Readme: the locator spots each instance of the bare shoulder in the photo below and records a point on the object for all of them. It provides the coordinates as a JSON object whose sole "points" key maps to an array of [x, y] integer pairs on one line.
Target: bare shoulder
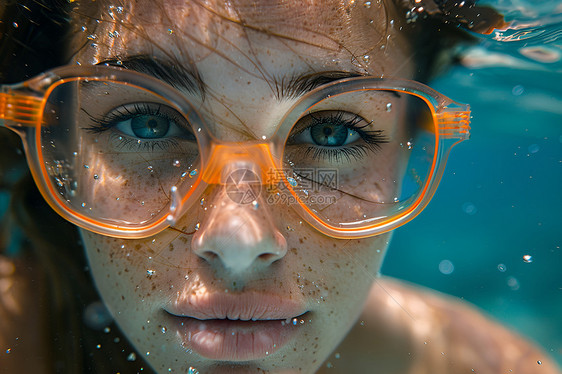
{"points": [[407, 329]]}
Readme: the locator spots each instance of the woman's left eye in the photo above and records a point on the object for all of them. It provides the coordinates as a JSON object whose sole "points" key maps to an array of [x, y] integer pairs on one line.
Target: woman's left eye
{"points": [[328, 132]]}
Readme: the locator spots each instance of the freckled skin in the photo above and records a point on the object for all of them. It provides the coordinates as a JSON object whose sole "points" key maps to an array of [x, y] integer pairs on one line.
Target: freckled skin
{"points": [[137, 278]]}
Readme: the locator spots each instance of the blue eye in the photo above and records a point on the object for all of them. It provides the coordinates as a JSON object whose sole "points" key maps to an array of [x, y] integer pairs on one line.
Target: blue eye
{"points": [[331, 134], [145, 121], [335, 136], [150, 126]]}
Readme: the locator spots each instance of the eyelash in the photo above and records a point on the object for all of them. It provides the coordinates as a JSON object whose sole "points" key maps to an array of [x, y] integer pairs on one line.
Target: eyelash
{"points": [[372, 138], [123, 113]]}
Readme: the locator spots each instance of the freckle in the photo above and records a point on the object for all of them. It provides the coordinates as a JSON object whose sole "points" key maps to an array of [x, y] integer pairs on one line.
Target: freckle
{"points": [[126, 270], [119, 273], [171, 247], [98, 250], [143, 328], [321, 261], [334, 245], [300, 240], [153, 287], [122, 297], [138, 247], [309, 268], [294, 250]]}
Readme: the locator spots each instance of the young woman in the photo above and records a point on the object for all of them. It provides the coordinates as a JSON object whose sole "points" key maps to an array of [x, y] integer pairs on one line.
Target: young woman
{"points": [[235, 170]]}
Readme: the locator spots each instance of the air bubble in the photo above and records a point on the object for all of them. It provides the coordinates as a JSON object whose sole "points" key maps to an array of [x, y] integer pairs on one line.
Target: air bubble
{"points": [[469, 208], [518, 90], [132, 357], [534, 148], [513, 283], [446, 267], [502, 268], [528, 259]]}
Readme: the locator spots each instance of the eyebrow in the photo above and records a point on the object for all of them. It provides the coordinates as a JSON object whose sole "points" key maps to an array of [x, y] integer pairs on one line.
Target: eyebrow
{"points": [[189, 79], [175, 74], [295, 86]]}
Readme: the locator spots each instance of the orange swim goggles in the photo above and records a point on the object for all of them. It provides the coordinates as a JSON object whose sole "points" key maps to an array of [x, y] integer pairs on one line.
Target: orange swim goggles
{"points": [[124, 154]]}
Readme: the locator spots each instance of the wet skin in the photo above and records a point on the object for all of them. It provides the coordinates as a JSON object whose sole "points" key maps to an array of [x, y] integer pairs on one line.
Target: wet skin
{"points": [[324, 280]]}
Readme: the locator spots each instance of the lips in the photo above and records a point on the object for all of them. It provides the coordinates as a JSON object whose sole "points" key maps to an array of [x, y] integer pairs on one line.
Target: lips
{"points": [[235, 327]]}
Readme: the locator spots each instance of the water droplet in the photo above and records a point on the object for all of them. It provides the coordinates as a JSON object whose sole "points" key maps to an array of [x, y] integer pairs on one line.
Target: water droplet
{"points": [[150, 272], [176, 163], [202, 201], [337, 355], [149, 167], [289, 228], [539, 362], [83, 205], [9, 350], [446, 267], [107, 330], [132, 357], [388, 107], [15, 24], [502, 268], [367, 4], [292, 181], [96, 176], [98, 346], [410, 145], [170, 31], [528, 259], [91, 37], [197, 225], [366, 58], [255, 204], [192, 370], [164, 329], [86, 167]]}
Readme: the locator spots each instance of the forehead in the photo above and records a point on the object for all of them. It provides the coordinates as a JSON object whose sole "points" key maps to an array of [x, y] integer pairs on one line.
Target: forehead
{"points": [[240, 48]]}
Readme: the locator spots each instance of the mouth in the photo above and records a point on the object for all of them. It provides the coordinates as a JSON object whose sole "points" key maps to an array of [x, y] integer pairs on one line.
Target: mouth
{"points": [[233, 327]]}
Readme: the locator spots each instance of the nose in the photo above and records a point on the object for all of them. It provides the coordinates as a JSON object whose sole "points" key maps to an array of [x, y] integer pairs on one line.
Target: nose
{"points": [[238, 234]]}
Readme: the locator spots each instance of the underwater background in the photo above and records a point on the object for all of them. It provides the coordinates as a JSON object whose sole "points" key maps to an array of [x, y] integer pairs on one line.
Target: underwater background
{"points": [[492, 234]]}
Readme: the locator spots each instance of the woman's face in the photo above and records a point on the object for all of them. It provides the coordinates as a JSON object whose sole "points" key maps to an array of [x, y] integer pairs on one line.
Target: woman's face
{"points": [[251, 290]]}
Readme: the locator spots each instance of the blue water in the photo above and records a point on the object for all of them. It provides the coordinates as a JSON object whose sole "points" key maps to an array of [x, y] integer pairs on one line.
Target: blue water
{"points": [[501, 196]]}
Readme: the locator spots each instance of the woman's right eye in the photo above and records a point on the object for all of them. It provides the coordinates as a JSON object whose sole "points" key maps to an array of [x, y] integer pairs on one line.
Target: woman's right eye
{"points": [[145, 122]]}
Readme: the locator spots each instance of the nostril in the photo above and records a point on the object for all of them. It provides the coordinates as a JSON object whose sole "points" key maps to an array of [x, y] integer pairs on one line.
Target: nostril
{"points": [[210, 256], [268, 257]]}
